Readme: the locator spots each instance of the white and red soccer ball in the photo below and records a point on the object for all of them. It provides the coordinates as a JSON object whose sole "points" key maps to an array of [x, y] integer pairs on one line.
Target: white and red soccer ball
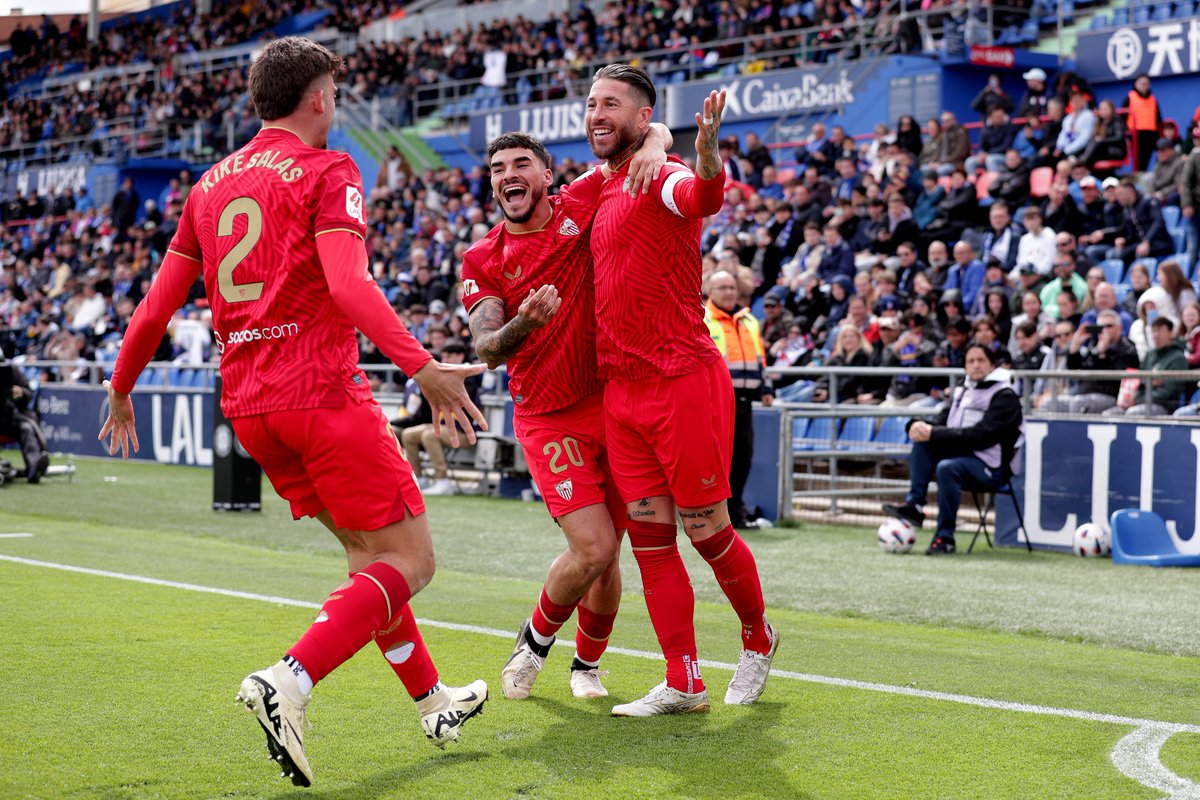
{"points": [[896, 536], [1090, 540]]}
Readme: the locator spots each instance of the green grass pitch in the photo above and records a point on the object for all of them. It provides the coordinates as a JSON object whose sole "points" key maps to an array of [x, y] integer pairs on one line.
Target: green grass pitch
{"points": [[123, 689]]}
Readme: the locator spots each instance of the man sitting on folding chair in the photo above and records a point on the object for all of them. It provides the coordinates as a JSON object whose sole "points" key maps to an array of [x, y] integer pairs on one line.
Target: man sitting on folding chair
{"points": [[971, 444], [19, 420]]}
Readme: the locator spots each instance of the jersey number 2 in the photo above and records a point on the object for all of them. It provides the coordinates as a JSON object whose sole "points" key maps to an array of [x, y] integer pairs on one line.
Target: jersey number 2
{"points": [[249, 208]]}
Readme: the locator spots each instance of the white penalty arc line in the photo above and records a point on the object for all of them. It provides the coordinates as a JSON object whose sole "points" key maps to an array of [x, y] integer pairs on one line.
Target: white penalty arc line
{"points": [[16, 535], [1137, 755]]}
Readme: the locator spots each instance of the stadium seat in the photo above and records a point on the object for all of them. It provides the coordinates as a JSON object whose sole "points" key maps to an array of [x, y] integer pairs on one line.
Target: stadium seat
{"points": [[1141, 15], [1171, 215], [1141, 537], [1039, 181], [799, 431], [1161, 12], [982, 184], [1122, 290], [1120, 17], [1098, 21], [1179, 237], [1114, 270], [1185, 9], [857, 433], [1151, 265], [892, 432], [819, 435]]}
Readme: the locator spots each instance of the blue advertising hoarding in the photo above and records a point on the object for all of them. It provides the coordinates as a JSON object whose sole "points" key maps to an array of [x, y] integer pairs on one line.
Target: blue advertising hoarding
{"points": [[1077, 472], [549, 123], [174, 426]]}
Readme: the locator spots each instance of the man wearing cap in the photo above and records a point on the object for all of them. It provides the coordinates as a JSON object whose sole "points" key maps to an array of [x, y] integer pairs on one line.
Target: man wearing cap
{"points": [[1037, 96], [1164, 184], [1189, 199], [776, 318]]}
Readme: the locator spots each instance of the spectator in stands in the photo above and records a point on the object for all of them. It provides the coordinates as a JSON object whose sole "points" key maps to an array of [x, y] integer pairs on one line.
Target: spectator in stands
{"points": [[1037, 246], [994, 280], [794, 350], [900, 226], [1077, 128], [992, 96], [125, 205], [956, 211], [1037, 95], [1060, 212], [838, 258], [1145, 119], [841, 289], [1150, 306], [985, 332], [909, 266], [817, 149], [850, 350], [972, 443], [1028, 352], [1069, 306], [1029, 140], [1108, 137], [1164, 183], [1046, 391], [1179, 290], [776, 318], [1189, 199], [811, 306], [908, 349], [1145, 233], [864, 287], [1048, 153], [1106, 224], [757, 153], [1065, 278], [930, 155], [954, 145], [995, 139], [1104, 298], [807, 258], [966, 274], [939, 267], [908, 135], [1111, 352], [1001, 239], [1166, 354], [1031, 311], [787, 229], [952, 351], [1011, 183], [1139, 281]]}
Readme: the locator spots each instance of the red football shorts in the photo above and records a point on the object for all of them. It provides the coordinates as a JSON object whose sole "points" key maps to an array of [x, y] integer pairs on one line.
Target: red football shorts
{"points": [[672, 436], [567, 458], [346, 460]]}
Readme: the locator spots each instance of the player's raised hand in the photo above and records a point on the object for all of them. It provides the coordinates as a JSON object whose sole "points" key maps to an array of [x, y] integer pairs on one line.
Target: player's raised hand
{"points": [[539, 306], [120, 423], [708, 125], [442, 385]]}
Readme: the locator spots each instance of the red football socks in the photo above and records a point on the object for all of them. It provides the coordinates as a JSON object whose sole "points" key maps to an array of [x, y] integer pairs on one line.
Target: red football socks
{"points": [[591, 635], [549, 616], [669, 600], [404, 649], [350, 617], [733, 564]]}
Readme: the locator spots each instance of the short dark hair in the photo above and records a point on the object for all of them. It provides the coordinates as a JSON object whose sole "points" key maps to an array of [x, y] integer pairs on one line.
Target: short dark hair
{"points": [[1162, 322], [519, 140], [635, 77], [454, 346], [1070, 293], [959, 324], [1027, 329], [284, 71], [992, 355]]}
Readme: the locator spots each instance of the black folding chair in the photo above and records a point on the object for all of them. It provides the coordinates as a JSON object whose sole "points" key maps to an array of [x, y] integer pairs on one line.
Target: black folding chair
{"points": [[978, 492]]}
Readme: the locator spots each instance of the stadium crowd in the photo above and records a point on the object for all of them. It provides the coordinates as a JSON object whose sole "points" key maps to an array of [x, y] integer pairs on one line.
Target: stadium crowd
{"points": [[891, 251]]}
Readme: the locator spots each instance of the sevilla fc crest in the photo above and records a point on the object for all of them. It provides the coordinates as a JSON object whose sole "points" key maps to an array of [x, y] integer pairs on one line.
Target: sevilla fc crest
{"points": [[564, 489]]}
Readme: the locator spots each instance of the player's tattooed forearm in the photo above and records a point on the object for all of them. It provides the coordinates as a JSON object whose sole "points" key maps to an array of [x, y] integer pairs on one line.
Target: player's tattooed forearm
{"points": [[495, 339]]}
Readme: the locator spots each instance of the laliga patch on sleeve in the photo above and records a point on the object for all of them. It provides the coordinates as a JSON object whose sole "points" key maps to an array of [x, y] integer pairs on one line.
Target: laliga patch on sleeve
{"points": [[354, 204]]}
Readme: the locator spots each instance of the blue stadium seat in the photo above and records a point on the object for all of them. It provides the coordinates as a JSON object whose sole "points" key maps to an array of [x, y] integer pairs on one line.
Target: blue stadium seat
{"points": [[1185, 9], [819, 435], [1179, 237], [856, 433], [1161, 12], [892, 431], [1171, 215], [1141, 537], [1098, 21], [1120, 17], [799, 431], [1141, 15], [1151, 265], [1114, 270], [1122, 290]]}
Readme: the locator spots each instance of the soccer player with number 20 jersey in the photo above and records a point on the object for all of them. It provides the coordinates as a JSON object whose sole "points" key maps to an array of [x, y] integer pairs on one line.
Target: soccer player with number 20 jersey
{"points": [[669, 398], [277, 231], [529, 288]]}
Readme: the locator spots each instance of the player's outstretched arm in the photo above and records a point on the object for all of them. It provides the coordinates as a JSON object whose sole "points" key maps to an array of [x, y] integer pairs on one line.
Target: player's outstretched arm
{"points": [[354, 291], [699, 195], [168, 292], [708, 125], [495, 339], [648, 161]]}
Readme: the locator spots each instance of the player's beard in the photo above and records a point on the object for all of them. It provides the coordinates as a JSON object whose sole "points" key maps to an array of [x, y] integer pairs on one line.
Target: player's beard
{"points": [[620, 141], [533, 199]]}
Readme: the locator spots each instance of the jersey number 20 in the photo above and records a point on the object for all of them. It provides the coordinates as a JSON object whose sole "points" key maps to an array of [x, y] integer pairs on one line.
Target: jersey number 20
{"points": [[249, 208]]}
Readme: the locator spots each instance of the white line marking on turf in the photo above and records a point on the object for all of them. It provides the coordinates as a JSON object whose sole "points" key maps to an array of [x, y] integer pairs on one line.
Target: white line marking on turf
{"points": [[16, 535], [1136, 755]]}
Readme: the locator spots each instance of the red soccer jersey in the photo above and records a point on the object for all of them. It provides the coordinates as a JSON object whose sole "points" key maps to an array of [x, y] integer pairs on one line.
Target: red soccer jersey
{"points": [[649, 307], [556, 365], [251, 222]]}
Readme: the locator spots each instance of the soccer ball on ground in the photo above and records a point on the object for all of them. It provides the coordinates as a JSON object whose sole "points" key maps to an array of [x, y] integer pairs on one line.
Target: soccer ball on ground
{"points": [[896, 536], [1090, 540]]}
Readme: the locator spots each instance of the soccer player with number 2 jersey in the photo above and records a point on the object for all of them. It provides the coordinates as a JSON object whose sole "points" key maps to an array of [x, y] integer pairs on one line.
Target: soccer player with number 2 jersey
{"points": [[277, 231], [530, 291], [668, 399]]}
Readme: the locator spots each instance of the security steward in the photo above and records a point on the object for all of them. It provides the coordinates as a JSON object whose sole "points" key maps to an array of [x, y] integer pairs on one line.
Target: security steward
{"points": [[736, 333]]}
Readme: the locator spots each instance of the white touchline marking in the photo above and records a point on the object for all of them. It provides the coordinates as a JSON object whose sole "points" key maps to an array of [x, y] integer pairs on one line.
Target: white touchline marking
{"points": [[16, 535], [1136, 755]]}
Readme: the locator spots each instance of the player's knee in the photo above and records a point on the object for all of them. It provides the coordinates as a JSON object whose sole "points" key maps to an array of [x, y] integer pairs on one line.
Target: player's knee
{"points": [[595, 556]]}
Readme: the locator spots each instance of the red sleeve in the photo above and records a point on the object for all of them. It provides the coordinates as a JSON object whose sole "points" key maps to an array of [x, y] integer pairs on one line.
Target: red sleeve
{"points": [[168, 292], [185, 242], [340, 200], [344, 261], [478, 281], [688, 195]]}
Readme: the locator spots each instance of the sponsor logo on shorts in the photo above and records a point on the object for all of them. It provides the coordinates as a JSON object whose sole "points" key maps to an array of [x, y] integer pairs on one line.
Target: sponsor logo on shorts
{"points": [[568, 228], [565, 489], [709, 481]]}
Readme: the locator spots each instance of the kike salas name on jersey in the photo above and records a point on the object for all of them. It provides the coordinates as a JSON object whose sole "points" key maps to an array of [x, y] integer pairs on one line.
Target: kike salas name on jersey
{"points": [[275, 160]]}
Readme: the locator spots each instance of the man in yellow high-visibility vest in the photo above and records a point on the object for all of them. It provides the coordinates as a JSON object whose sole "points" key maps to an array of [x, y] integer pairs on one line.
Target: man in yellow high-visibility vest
{"points": [[736, 333]]}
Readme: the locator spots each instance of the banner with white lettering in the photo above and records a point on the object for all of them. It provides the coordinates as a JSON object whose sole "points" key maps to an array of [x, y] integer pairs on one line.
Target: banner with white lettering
{"points": [[769, 95], [552, 122], [45, 181], [1159, 49], [1077, 472], [174, 427]]}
